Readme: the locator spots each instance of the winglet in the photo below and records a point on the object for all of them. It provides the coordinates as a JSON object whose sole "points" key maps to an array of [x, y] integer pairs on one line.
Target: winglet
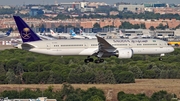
{"points": [[26, 33]]}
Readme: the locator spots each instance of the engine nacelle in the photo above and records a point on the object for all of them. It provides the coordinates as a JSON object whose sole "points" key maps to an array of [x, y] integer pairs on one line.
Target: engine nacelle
{"points": [[124, 53]]}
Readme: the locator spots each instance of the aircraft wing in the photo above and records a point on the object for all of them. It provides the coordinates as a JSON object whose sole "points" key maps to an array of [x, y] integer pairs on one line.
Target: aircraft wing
{"points": [[103, 46]]}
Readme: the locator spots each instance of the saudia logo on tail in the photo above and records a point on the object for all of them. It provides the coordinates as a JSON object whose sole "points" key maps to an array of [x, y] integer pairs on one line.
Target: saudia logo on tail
{"points": [[26, 33]]}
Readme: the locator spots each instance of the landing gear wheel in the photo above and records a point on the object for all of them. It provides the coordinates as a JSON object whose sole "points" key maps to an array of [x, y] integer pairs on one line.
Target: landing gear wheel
{"points": [[101, 60], [86, 60], [160, 59], [91, 59], [97, 61]]}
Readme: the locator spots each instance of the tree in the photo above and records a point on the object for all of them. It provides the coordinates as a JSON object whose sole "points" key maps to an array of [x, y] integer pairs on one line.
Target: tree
{"points": [[131, 97], [152, 28], [10, 76], [96, 25], [143, 26], [136, 71], [124, 77], [161, 26], [95, 98], [92, 94], [126, 25], [61, 16], [161, 96]]}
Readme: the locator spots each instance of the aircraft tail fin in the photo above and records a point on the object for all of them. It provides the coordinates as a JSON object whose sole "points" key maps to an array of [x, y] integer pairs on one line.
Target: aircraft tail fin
{"points": [[42, 30], [52, 32], [120, 33], [81, 32], [26, 33], [8, 32], [72, 33]]}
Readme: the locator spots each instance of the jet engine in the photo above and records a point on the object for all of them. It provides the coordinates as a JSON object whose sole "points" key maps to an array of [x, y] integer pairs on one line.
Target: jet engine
{"points": [[124, 53]]}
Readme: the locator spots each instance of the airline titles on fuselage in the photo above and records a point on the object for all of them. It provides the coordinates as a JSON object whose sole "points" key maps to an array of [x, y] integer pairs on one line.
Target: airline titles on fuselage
{"points": [[130, 41]]}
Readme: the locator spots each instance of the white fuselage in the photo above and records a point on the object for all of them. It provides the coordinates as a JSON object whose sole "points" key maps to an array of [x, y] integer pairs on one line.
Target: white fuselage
{"points": [[89, 47]]}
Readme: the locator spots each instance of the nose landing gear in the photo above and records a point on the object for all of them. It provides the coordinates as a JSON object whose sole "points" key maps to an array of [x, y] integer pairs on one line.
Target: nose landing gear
{"points": [[160, 58]]}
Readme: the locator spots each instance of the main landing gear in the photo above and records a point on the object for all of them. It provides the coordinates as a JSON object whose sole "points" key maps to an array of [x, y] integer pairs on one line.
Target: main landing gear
{"points": [[99, 60], [88, 60]]}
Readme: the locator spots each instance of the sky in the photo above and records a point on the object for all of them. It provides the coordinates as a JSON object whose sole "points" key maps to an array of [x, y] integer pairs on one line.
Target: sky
{"points": [[21, 2]]}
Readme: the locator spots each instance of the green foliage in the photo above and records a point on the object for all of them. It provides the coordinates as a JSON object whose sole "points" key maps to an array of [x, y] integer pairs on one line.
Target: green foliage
{"points": [[96, 25], [95, 98], [124, 77], [157, 96], [131, 97], [152, 28], [126, 25], [97, 94], [10, 76], [161, 96], [61, 16], [67, 93], [19, 66], [161, 26]]}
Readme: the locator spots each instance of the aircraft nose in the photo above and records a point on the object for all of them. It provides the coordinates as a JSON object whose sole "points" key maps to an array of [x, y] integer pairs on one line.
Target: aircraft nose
{"points": [[170, 49]]}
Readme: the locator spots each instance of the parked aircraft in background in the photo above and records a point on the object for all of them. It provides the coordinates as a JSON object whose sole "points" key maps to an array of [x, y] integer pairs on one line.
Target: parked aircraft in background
{"points": [[42, 36], [100, 47], [88, 35], [2, 35], [75, 36], [60, 35]]}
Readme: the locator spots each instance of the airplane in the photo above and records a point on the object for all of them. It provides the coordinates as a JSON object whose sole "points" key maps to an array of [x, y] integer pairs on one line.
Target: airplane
{"points": [[6, 34], [88, 35], [60, 35], [72, 35], [100, 47], [45, 37], [75, 36]]}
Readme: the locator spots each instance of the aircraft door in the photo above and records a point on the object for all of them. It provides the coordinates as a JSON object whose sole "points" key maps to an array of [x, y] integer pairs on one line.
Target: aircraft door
{"points": [[160, 45], [48, 46], [86, 45]]}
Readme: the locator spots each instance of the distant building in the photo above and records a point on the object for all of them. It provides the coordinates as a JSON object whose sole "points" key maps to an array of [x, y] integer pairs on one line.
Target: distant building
{"points": [[132, 8], [71, 5], [6, 7], [133, 33], [113, 13], [35, 10], [155, 5], [164, 33], [96, 4], [87, 9]]}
